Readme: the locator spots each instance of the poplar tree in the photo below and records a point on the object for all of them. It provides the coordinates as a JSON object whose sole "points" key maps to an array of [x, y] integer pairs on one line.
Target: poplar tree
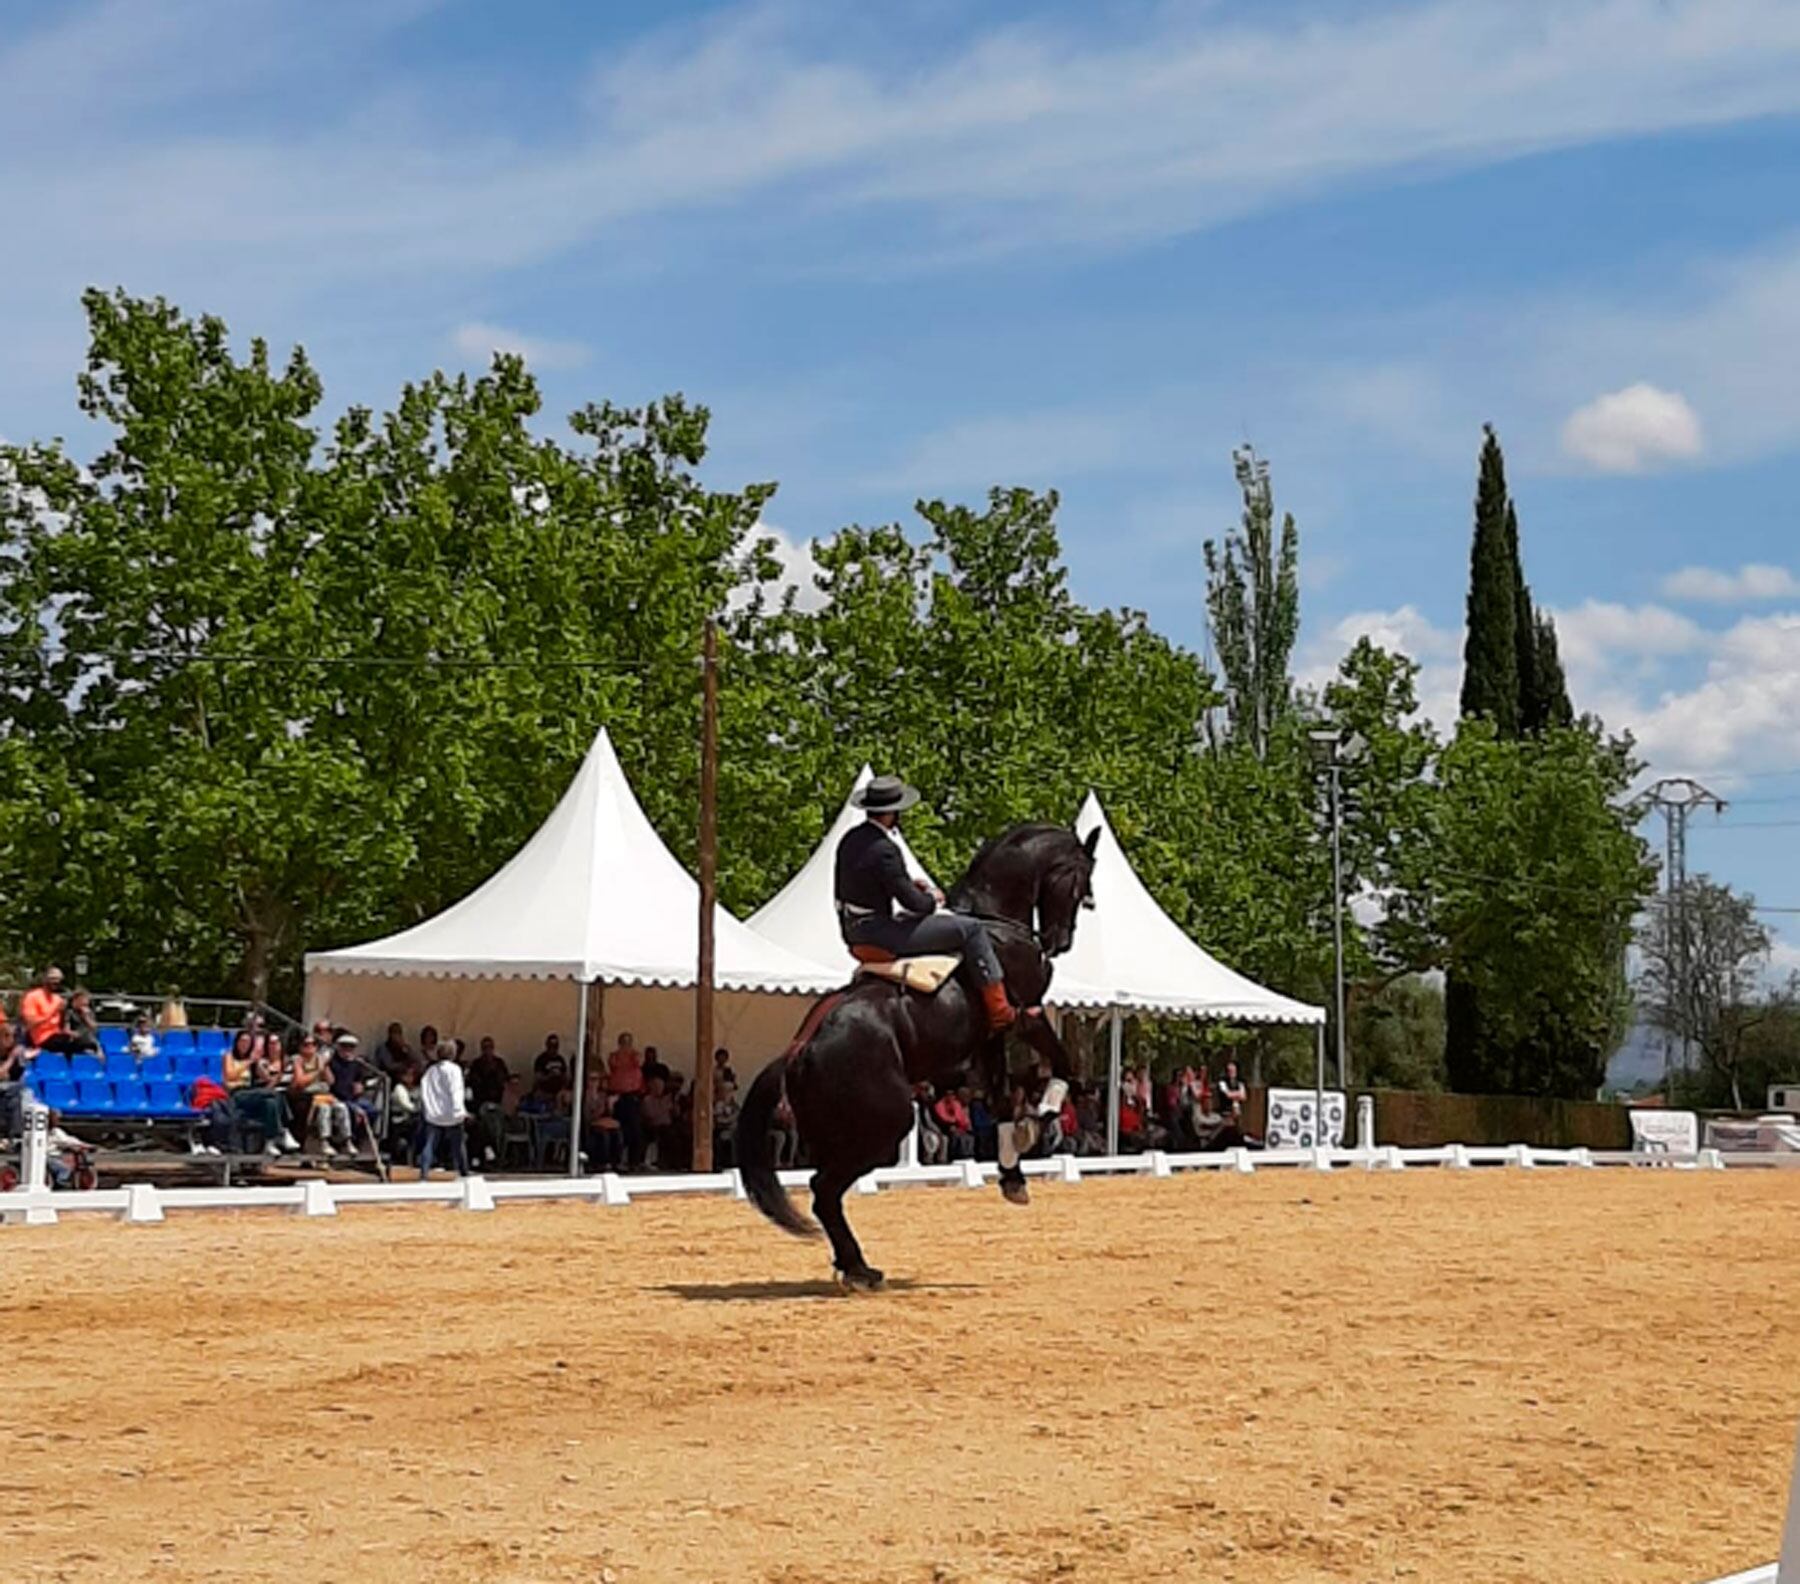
{"points": [[1253, 602]]}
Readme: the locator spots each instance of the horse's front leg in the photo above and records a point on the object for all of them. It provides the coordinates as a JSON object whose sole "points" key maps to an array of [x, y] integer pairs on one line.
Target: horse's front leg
{"points": [[1035, 1029]]}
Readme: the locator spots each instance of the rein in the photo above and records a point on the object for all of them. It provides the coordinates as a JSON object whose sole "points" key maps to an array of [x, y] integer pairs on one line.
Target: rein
{"points": [[994, 921]]}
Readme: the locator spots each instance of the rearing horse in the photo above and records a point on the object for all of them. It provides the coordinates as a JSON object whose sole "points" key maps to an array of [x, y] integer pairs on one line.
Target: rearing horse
{"points": [[849, 1074]]}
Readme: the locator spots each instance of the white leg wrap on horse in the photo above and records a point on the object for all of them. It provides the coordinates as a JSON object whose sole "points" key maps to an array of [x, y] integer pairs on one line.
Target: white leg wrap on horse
{"points": [[1009, 1149], [1054, 1094]]}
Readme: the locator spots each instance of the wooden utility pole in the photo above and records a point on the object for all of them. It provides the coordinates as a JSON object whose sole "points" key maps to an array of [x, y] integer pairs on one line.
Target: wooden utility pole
{"points": [[709, 838]]}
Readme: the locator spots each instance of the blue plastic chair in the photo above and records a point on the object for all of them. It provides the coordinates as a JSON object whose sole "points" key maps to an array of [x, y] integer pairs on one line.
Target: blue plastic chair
{"points": [[50, 1067], [93, 1097], [168, 1100], [175, 1042], [57, 1093], [114, 1039], [156, 1069], [121, 1066], [86, 1068], [131, 1098], [189, 1066], [212, 1042]]}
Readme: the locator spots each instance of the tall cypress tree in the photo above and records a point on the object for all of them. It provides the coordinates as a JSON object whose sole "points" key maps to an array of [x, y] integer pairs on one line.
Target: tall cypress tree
{"points": [[1490, 685], [1500, 630], [1547, 703], [1524, 624]]}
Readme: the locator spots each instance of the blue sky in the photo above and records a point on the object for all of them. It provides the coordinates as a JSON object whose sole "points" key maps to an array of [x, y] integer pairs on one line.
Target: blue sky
{"points": [[923, 248]]}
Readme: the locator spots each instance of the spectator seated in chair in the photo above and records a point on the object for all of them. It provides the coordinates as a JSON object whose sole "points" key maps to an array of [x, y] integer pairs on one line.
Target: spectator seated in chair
{"points": [[659, 1121], [952, 1113], [142, 1043], [393, 1055], [605, 1139], [934, 1148], [311, 1101], [256, 1096], [44, 1012], [784, 1136], [725, 1120], [488, 1077], [218, 1131], [350, 1078]]}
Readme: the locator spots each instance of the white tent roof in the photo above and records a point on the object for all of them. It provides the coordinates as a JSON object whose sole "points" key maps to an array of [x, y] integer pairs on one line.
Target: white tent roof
{"points": [[594, 895], [1128, 953]]}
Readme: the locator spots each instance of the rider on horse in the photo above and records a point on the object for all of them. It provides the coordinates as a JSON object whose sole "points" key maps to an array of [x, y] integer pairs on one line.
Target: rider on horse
{"points": [[872, 882]]}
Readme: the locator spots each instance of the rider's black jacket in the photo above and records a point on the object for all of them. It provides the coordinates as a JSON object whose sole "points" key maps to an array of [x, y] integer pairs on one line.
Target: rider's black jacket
{"points": [[872, 877]]}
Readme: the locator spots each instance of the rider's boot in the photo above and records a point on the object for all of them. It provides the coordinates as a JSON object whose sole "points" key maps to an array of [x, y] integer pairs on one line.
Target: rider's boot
{"points": [[1001, 1014]]}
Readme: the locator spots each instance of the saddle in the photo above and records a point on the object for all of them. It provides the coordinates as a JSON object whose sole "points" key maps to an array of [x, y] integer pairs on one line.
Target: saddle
{"points": [[924, 974]]}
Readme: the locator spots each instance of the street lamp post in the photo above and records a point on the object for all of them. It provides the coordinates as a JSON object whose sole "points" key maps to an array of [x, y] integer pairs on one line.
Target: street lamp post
{"points": [[1334, 750]]}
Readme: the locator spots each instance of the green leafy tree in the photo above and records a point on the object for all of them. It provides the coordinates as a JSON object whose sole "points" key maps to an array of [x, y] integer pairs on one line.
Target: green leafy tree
{"points": [[1397, 1035], [274, 691], [1705, 957], [1253, 603], [1525, 884]]}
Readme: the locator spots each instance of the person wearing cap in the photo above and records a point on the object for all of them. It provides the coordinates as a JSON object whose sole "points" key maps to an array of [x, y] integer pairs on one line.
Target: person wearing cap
{"points": [[881, 904], [349, 1077]]}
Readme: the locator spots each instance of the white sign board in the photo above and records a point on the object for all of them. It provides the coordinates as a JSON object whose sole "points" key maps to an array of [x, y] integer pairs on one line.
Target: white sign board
{"points": [[1292, 1123], [1665, 1132]]}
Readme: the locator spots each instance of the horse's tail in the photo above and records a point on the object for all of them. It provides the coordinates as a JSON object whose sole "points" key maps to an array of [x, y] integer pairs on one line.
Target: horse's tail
{"points": [[756, 1151]]}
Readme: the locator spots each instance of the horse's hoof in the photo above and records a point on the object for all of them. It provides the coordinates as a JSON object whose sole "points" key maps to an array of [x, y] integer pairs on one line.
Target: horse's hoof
{"points": [[864, 1278], [1016, 1193]]}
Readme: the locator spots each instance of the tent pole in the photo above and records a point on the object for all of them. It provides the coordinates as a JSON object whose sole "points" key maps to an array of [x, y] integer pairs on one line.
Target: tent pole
{"points": [[1319, 1090], [1115, 1057], [575, 1098]]}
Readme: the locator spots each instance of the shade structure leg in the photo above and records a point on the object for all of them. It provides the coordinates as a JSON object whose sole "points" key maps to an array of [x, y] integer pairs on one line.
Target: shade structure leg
{"points": [[575, 1099], [1114, 1073]]}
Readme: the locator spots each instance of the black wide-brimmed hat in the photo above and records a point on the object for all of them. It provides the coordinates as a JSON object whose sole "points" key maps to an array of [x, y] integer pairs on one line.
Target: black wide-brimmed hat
{"points": [[886, 795]]}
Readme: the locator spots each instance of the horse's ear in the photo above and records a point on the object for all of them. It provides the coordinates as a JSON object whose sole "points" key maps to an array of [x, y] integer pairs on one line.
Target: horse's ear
{"points": [[1092, 844]]}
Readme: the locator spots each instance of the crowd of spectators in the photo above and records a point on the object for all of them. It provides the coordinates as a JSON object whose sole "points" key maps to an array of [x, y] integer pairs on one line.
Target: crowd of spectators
{"points": [[314, 1091], [1191, 1111]]}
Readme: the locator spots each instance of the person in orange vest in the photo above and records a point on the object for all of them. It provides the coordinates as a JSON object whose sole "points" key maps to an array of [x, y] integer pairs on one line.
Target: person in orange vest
{"points": [[44, 1012]]}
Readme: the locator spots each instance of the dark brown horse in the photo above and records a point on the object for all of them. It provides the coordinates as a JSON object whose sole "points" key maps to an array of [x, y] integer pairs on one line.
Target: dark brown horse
{"points": [[850, 1080]]}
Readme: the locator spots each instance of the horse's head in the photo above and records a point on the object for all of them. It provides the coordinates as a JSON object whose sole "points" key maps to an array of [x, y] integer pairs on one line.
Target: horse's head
{"points": [[1037, 875], [1065, 886]]}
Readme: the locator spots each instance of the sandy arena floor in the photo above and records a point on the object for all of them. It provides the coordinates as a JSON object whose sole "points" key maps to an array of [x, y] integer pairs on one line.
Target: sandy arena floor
{"points": [[1493, 1376]]}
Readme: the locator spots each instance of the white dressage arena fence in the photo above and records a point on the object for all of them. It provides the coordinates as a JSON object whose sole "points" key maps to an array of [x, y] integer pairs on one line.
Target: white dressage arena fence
{"points": [[144, 1203]]}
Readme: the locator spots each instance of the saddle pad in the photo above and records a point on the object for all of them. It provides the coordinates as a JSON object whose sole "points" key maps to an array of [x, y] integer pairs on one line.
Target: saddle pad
{"points": [[924, 974]]}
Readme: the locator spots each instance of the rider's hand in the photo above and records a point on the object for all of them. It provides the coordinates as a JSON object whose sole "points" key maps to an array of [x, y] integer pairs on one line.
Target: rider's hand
{"points": [[937, 896]]}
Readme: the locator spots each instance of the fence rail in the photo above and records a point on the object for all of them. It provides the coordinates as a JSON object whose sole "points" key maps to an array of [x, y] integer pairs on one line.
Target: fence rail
{"points": [[144, 1203]]}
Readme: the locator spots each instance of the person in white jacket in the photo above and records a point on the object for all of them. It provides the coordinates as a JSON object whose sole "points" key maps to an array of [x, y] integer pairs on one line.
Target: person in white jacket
{"points": [[441, 1099]]}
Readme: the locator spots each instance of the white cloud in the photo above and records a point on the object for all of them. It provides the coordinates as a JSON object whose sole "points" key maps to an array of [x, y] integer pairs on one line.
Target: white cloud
{"points": [[481, 341], [1633, 430], [1017, 135], [797, 570], [1408, 631], [1597, 632], [1753, 581]]}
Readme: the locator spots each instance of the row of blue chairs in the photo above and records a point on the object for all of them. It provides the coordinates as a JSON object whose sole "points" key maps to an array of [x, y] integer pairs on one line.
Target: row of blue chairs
{"points": [[96, 1097], [122, 1067], [115, 1040]]}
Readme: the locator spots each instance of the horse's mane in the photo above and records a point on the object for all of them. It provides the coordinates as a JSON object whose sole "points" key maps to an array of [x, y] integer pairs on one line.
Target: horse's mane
{"points": [[988, 849]]}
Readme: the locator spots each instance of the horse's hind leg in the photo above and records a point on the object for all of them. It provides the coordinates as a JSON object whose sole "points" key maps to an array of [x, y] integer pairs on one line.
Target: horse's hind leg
{"points": [[829, 1185]]}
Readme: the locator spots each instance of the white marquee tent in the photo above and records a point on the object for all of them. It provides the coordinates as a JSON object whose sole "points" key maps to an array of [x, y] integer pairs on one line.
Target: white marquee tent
{"points": [[1129, 956], [592, 922]]}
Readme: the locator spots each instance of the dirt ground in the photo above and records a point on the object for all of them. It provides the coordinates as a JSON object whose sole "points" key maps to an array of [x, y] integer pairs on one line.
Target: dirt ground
{"points": [[1484, 1376]]}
